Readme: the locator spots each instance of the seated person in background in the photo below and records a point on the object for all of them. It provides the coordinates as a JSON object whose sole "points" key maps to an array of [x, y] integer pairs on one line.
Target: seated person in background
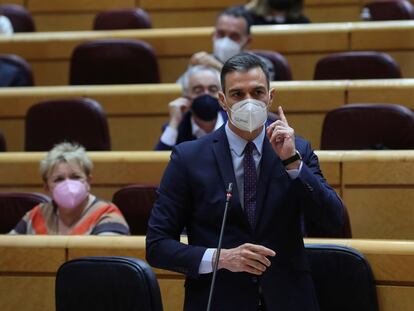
{"points": [[197, 112], [273, 12], [231, 36], [66, 173], [6, 27], [12, 75]]}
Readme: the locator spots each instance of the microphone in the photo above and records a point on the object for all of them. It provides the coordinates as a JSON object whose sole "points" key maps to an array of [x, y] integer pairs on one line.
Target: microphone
{"points": [[229, 192]]}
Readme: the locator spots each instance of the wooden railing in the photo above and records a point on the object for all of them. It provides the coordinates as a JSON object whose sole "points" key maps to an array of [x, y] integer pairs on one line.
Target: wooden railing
{"points": [[377, 186], [28, 266], [303, 45], [136, 113], [52, 15]]}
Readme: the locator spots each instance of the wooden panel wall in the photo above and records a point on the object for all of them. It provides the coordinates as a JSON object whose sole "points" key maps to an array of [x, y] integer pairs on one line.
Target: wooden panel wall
{"points": [[32, 288], [376, 186], [303, 45], [61, 15], [136, 113]]}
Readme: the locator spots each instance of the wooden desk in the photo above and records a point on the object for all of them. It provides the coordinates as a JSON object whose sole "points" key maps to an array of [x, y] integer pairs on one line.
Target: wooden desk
{"points": [[303, 45], [376, 186], [136, 113], [52, 15], [28, 265]]}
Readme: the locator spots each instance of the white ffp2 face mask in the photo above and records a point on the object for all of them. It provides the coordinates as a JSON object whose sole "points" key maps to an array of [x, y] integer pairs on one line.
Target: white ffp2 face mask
{"points": [[248, 114], [224, 48]]}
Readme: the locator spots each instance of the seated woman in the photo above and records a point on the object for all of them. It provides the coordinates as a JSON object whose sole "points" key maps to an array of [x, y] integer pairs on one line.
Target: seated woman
{"points": [[66, 173]]}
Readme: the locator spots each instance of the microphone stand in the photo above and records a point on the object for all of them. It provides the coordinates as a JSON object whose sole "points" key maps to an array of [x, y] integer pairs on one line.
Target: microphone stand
{"points": [[213, 280]]}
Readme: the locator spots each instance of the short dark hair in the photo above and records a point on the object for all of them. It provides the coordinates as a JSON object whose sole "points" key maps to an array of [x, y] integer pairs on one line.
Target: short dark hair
{"points": [[238, 12], [243, 61]]}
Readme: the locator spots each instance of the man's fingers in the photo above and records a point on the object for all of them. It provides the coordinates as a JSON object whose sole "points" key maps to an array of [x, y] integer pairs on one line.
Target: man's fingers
{"points": [[260, 249], [252, 270], [282, 115], [254, 266], [256, 257]]}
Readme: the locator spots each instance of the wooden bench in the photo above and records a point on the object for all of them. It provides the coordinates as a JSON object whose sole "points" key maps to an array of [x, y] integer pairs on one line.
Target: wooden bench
{"points": [[376, 186], [28, 265], [303, 45], [136, 113], [52, 15]]}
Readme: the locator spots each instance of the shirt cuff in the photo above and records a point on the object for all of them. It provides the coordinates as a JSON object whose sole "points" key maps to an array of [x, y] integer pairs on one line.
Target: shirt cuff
{"points": [[206, 264], [169, 136], [293, 174]]}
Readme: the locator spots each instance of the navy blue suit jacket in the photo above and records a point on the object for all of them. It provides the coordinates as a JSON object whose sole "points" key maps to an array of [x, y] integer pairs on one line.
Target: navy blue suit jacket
{"points": [[192, 196], [185, 131]]}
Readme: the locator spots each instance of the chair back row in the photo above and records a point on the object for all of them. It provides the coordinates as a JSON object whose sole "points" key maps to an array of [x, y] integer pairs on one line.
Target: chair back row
{"points": [[135, 203], [342, 278], [350, 127], [137, 18], [126, 61]]}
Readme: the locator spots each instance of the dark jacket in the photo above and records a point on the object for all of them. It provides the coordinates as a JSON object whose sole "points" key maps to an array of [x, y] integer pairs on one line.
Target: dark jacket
{"points": [[192, 196]]}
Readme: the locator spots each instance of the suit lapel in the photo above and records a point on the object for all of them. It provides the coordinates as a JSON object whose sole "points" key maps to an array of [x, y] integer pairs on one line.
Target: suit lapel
{"points": [[268, 167], [224, 162]]}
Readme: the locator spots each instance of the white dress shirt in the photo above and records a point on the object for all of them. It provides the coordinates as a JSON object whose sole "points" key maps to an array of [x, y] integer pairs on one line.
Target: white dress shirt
{"points": [[170, 134]]}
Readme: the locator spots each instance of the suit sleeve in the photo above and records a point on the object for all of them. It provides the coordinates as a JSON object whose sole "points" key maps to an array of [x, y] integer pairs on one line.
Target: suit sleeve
{"points": [[323, 209], [168, 218], [160, 146]]}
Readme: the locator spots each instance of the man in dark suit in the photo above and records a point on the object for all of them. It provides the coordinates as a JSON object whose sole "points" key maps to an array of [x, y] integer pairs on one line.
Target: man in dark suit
{"points": [[188, 121], [276, 179]]}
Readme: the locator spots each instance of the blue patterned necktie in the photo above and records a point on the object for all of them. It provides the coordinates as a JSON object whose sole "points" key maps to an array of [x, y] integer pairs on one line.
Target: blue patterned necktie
{"points": [[250, 180]]}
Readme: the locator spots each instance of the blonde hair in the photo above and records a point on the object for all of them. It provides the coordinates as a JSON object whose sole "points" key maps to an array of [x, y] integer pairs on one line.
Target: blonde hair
{"points": [[63, 153]]}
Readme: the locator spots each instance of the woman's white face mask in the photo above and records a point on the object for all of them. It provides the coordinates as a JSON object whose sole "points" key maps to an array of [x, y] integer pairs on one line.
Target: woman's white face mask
{"points": [[248, 114]]}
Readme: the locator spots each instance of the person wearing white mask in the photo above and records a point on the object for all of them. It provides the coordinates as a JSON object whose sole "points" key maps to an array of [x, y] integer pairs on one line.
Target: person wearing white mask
{"points": [[197, 112], [276, 180], [230, 37], [6, 27], [74, 210]]}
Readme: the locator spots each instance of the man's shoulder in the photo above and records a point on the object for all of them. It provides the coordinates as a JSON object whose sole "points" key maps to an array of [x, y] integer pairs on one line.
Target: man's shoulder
{"points": [[200, 144]]}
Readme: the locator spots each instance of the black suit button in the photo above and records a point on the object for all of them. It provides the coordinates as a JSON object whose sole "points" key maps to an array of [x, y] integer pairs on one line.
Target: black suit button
{"points": [[254, 279]]}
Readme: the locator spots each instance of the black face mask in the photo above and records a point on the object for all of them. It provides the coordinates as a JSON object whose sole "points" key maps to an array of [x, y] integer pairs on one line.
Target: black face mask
{"points": [[281, 5], [205, 107]]}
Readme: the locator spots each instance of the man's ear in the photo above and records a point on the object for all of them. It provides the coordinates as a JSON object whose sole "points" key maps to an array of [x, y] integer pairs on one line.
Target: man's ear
{"points": [[248, 41], [222, 100], [213, 35], [272, 93]]}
